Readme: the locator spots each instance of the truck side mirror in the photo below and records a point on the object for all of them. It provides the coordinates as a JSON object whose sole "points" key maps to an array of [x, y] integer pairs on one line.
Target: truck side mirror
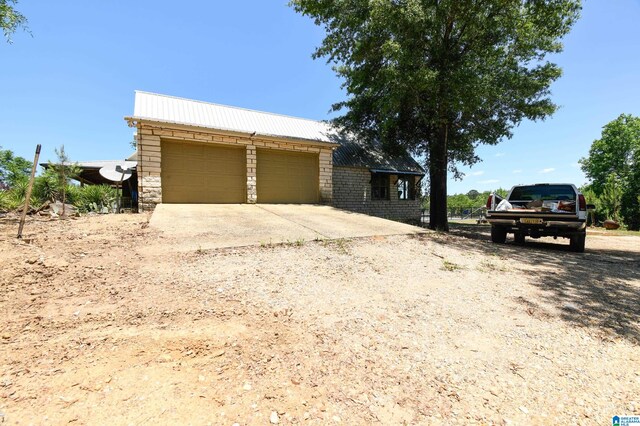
{"points": [[591, 206]]}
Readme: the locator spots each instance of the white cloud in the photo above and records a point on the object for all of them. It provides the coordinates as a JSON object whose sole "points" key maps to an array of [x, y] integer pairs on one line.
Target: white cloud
{"points": [[547, 170], [500, 154], [517, 171], [478, 173], [489, 181]]}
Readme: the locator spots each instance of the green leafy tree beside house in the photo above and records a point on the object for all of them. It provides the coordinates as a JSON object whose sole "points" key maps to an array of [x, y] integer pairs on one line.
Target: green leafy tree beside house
{"points": [[440, 77], [613, 166]]}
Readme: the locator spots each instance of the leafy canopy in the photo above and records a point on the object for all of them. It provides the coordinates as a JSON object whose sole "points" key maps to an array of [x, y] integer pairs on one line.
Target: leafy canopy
{"points": [[440, 77], [410, 66], [613, 166], [13, 169], [11, 19]]}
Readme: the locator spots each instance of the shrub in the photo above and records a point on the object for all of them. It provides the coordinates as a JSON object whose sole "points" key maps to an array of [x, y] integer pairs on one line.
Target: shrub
{"points": [[96, 197]]}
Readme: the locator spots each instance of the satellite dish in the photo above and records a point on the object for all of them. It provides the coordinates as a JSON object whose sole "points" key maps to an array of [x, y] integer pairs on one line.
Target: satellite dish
{"points": [[115, 174]]}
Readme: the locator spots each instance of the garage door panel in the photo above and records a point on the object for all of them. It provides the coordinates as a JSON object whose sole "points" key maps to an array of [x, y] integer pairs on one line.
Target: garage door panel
{"points": [[287, 177], [199, 173]]}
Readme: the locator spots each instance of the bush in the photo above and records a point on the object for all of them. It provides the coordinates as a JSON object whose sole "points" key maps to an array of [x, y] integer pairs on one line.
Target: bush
{"points": [[95, 197], [86, 198], [13, 199], [46, 186]]}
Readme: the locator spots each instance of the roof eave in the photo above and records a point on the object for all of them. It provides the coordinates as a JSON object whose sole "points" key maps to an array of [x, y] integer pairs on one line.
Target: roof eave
{"points": [[134, 121]]}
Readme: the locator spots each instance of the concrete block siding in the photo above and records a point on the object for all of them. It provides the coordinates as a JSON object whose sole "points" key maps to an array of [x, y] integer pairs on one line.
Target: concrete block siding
{"points": [[150, 158], [352, 191]]}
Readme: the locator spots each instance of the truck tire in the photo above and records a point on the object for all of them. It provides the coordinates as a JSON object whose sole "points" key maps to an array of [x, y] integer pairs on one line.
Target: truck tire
{"points": [[498, 234], [519, 238], [577, 242]]}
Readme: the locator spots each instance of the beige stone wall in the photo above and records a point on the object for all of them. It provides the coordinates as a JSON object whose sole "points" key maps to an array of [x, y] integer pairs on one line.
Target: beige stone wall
{"points": [[352, 191], [149, 158]]}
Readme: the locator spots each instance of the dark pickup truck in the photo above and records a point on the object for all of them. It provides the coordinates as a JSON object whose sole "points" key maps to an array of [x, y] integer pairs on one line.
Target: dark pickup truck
{"points": [[540, 210]]}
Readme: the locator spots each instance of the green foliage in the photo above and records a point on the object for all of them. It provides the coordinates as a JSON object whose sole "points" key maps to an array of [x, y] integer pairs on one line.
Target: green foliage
{"points": [[95, 197], [473, 194], [46, 186], [613, 166], [85, 198], [64, 171], [13, 169], [11, 19], [440, 78]]}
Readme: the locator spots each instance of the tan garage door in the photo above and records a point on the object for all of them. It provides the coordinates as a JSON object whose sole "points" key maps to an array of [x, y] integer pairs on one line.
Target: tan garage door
{"points": [[287, 177], [199, 173]]}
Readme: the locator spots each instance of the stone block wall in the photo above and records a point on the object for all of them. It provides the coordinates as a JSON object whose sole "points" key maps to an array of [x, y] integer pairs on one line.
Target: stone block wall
{"points": [[352, 191], [149, 169]]}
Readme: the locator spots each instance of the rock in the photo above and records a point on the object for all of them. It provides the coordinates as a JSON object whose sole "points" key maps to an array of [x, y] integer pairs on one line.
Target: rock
{"points": [[56, 209], [524, 410], [611, 224], [246, 387], [273, 418], [336, 419]]}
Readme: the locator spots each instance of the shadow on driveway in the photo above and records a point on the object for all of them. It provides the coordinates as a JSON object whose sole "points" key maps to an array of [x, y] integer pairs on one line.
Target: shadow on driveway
{"points": [[598, 289]]}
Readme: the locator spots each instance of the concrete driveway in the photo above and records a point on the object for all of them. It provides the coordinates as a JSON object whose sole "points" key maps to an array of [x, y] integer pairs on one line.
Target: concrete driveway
{"points": [[208, 226]]}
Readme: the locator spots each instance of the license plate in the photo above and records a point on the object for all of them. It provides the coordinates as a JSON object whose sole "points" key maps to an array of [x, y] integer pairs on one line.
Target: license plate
{"points": [[531, 220]]}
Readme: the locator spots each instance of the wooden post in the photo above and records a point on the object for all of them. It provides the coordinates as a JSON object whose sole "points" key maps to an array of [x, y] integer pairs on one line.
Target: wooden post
{"points": [[29, 188]]}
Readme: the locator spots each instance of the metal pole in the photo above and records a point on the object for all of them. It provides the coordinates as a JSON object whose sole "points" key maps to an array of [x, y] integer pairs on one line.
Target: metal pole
{"points": [[29, 188]]}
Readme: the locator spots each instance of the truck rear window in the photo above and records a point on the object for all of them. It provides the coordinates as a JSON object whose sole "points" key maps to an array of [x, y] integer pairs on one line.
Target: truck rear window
{"points": [[542, 192]]}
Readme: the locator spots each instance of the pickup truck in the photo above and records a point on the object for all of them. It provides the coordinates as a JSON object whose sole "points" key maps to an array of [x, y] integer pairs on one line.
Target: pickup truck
{"points": [[540, 210]]}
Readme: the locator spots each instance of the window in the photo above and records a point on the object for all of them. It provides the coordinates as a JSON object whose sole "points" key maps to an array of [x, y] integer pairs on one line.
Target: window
{"points": [[406, 188], [379, 186], [542, 192]]}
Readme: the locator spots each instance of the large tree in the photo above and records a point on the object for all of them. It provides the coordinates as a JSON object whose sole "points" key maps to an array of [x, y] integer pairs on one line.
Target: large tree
{"points": [[440, 77], [614, 163], [13, 169], [10, 18]]}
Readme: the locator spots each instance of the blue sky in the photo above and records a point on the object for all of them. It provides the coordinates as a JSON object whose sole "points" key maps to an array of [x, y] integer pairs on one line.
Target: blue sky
{"points": [[73, 81]]}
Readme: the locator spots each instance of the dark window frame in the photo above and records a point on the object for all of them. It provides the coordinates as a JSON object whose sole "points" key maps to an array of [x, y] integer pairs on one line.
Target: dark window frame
{"points": [[406, 185], [380, 184]]}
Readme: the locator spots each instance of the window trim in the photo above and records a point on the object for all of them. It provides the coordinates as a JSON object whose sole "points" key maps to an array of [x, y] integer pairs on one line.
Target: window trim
{"points": [[376, 186], [410, 189]]}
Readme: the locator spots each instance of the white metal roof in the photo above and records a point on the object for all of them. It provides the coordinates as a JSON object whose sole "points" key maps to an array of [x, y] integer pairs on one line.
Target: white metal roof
{"points": [[169, 109], [125, 164]]}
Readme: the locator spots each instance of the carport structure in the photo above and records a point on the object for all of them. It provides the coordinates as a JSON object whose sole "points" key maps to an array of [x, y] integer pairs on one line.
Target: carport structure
{"points": [[196, 152]]}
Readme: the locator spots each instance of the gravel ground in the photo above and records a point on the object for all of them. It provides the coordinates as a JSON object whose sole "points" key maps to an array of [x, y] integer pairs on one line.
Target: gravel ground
{"points": [[106, 324]]}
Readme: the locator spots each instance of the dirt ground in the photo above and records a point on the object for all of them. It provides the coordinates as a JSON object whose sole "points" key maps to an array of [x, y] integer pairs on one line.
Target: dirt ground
{"points": [[105, 321]]}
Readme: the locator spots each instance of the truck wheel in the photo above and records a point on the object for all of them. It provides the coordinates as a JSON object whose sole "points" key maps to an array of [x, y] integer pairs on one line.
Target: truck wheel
{"points": [[519, 238], [577, 242], [498, 234]]}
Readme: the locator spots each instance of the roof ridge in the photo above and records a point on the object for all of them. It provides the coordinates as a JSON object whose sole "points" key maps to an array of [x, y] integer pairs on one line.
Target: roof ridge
{"points": [[232, 107]]}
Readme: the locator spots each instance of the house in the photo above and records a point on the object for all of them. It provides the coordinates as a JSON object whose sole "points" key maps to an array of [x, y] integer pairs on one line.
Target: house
{"points": [[197, 152]]}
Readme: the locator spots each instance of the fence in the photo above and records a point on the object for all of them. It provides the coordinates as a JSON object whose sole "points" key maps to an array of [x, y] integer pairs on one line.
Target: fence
{"points": [[459, 213]]}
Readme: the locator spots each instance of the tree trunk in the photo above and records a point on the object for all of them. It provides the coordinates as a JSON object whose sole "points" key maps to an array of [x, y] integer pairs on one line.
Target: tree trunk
{"points": [[438, 160]]}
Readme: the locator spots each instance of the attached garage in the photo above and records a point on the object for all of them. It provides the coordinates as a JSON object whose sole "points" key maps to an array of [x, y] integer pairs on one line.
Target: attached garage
{"points": [[287, 177], [203, 173]]}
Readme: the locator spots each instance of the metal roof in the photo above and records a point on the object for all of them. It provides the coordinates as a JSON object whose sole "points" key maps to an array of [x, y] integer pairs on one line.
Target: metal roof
{"points": [[354, 153], [169, 109], [98, 164], [350, 152]]}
